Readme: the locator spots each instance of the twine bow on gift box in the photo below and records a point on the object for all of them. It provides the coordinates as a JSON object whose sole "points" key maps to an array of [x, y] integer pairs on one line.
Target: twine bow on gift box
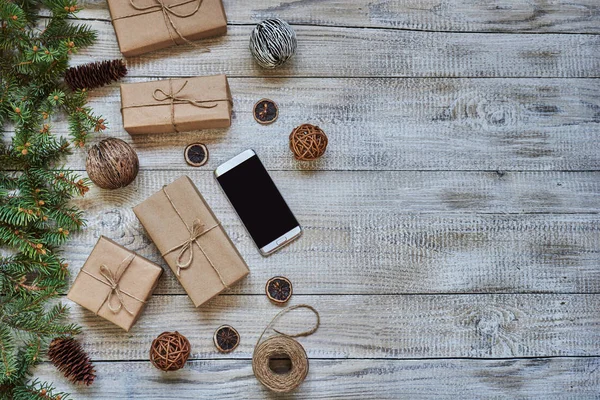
{"points": [[167, 12], [187, 246], [112, 281], [173, 98]]}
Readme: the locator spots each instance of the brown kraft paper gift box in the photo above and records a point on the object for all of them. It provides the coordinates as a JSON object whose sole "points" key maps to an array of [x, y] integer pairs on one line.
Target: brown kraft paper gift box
{"points": [[176, 105], [191, 240], [115, 283], [142, 26]]}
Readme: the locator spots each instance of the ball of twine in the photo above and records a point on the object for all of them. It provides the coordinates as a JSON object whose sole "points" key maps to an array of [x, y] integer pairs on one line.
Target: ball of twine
{"points": [[280, 347], [112, 164], [169, 351], [308, 142], [272, 43]]}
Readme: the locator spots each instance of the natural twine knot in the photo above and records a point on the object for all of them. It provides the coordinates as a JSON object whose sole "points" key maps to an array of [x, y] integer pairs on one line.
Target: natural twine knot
{"points": [[112, 281], [172, 97], [308, 142], [187, 246], [167, 11]]}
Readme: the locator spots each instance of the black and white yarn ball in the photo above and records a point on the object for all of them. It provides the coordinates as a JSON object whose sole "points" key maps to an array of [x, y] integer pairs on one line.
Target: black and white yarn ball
{"points": [[272, 43]]}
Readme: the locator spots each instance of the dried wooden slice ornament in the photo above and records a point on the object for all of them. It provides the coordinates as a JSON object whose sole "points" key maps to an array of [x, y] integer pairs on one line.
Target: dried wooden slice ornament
{"points": [[226, 339], [196, 154], [279, 289], [265, 111]]}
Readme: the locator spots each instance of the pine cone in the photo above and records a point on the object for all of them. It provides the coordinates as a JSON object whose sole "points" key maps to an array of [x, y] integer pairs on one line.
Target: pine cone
{"points": [[69, 357], [95, 75]]}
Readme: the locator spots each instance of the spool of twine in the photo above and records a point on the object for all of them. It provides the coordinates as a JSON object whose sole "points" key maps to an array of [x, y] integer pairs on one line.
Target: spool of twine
{"points": [[280, 362], [272, 43]]}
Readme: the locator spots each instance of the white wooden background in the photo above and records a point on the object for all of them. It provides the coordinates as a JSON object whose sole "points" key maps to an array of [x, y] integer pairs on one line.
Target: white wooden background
{"points": [[452, 230]]}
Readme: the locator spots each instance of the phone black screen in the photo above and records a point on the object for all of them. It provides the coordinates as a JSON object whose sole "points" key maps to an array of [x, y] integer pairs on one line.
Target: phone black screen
{"points": [[257, 201]]}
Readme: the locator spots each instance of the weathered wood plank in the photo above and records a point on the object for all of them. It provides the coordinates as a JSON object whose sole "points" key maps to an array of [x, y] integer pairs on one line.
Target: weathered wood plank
{"points": [[394, 124], [550, 378], [390, 232], [394, 326], [581, 16], [341, 52]]}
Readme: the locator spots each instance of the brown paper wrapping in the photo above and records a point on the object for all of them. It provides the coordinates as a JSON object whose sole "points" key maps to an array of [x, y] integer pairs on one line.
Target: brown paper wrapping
{"points": [[139, 280], [143, 113], [142, 31], [167, 230]]}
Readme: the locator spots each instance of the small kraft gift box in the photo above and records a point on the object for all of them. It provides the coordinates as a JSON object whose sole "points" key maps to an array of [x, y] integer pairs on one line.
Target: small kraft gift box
{"points": [[176, 105], [115, 283], [191, 240], [142, 26]]}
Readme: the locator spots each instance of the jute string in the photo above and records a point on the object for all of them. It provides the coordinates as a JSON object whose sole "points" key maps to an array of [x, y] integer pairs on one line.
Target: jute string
{"points": [[174, 99], [167, 12], [187, 246], [112, 280], [282, 345]]}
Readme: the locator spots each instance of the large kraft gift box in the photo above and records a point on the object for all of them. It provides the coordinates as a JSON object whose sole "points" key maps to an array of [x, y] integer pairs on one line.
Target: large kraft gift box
{"points": [[191, 240], [115, 283], [142, 26], [176, 105]]}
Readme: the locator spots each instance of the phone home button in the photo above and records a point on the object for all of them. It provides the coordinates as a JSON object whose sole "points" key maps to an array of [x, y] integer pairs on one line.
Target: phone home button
{"points": [[281, 240]]}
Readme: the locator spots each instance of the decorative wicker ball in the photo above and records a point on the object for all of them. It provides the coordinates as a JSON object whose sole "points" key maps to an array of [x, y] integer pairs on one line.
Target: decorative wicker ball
{"points": [[169, 351], [112, 164], [272, 43], [308, 142]]}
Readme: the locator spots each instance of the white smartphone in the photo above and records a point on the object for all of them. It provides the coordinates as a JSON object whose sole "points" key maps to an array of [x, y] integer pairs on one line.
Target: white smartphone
{"points": [[258, 203]]}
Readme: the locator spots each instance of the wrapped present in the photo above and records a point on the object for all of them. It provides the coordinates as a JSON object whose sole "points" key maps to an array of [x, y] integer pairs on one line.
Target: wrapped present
{"points": [[191, 240], [176, 105], [142, 26], [115, 283]]}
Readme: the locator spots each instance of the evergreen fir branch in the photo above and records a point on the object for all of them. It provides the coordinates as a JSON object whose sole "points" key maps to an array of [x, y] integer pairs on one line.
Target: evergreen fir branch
{"points": [[56, 314], [19, 265], [60, 31], [12, 16], [69, 218], [37, 390], [35, 216], [29, 353], [8, 362]]}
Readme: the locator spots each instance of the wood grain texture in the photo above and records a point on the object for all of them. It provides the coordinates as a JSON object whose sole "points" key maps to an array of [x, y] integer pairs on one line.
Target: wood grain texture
{"points": [[581, 16], [453, 221], [340, 52], [557, 378], [393, 124], [393, 232], [394, 326]]}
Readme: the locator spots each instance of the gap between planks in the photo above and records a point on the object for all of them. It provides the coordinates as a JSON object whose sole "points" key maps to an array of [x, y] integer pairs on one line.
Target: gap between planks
{"points": [[360, 379], [390, 327], [579, 16]]}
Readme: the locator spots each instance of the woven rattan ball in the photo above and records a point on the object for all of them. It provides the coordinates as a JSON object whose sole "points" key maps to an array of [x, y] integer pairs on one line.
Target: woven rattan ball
{"points": [[308, 142], [169, 351], [112, 164]]}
